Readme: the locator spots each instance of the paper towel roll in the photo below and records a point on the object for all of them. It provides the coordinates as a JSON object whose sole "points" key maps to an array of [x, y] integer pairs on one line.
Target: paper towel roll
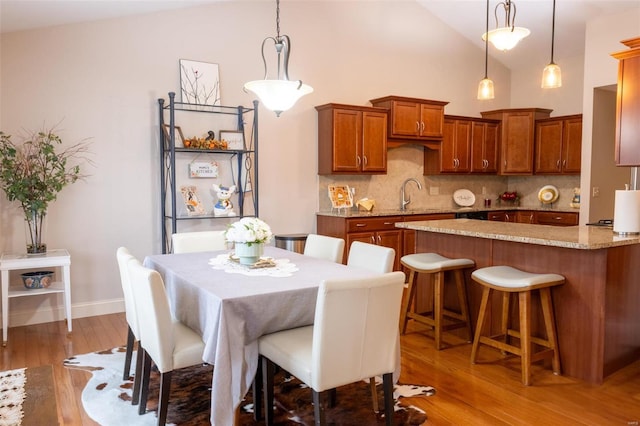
{"points": [[626, 215]]}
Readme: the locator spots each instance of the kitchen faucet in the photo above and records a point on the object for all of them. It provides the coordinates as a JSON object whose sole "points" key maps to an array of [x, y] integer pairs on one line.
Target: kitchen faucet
{"points": [[405, 201]]}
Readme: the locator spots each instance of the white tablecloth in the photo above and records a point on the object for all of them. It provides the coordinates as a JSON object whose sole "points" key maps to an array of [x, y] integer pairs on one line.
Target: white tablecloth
{"points": [[231, 311]]}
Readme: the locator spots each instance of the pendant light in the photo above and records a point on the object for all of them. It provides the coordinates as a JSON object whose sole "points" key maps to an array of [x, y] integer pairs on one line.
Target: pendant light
{"points": [[485, 88], [552, 75], [507, 37], [280, 94]]}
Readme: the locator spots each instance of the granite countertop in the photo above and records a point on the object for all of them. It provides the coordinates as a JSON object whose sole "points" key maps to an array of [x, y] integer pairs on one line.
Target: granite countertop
{"points": [[397, 212], [575, 237]]}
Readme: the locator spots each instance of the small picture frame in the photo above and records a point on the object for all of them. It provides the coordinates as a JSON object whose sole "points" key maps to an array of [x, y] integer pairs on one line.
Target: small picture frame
{"points": [[192, 201], [234, 138], [167, 134]]}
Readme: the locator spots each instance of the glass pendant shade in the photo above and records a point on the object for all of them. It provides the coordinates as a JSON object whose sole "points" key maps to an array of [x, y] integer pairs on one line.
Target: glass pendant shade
{"points": [[278, 95], [506, 38], [551, 77], [485, 89]]}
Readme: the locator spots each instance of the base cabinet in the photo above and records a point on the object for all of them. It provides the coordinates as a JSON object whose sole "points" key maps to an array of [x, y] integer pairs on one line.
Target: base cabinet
{"points": [[535, 217], [380, 230]]}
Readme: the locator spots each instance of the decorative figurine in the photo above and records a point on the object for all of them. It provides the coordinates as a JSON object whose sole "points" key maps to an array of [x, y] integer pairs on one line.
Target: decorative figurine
{"points": [[224, 206]]}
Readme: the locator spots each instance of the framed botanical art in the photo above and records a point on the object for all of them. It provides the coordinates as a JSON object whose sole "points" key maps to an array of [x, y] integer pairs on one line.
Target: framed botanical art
{"points": [[199, 83], [234, 138]]}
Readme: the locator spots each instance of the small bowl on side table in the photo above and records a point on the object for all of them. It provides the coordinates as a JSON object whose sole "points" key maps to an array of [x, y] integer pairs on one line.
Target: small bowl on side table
{"points": [[39, 279]]}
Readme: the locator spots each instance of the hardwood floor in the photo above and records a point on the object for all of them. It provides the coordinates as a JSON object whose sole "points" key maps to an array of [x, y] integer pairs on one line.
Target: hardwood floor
{"points": [[488, 393]]}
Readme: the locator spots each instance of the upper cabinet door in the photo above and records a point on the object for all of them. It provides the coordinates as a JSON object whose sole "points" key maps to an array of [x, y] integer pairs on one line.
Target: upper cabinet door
{"points": [[549, 146], [572, 145], [627, 150], [347, 137], [374, 141], [405, 119]]}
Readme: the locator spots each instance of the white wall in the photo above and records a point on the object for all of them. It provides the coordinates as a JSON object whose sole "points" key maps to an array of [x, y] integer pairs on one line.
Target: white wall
{"points": [[603, 37], [102, 80]]}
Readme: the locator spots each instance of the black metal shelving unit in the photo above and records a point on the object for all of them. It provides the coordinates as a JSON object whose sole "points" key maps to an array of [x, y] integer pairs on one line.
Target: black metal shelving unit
{"points": [[247, 161]]}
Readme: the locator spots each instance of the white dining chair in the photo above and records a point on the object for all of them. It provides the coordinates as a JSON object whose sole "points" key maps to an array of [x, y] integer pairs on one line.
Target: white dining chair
{"points": [[372, 257], [354, 336], [189, 242], [324, 247], [123, 256], [164, 340], [376, 259]]}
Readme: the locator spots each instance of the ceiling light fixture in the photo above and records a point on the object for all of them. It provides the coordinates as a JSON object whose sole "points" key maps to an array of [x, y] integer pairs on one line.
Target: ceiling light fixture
{"points": [[506, 38], [281, 94], [485, 88], [552, 75]]}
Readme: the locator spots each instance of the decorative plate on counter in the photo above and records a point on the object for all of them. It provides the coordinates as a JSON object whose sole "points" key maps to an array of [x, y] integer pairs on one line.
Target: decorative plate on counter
{"points": [[548, 194], [464, 198]]}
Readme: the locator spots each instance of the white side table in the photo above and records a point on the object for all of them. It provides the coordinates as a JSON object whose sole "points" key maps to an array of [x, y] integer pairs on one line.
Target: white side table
{"points": [[52, 259]]}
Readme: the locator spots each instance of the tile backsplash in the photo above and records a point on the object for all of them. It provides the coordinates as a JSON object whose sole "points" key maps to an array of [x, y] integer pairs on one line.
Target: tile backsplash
{"points": [[437, 191]]}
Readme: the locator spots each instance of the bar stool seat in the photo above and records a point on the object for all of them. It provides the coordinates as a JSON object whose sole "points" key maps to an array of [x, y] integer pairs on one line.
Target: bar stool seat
{"points": [[436, 266], [509, 280]]}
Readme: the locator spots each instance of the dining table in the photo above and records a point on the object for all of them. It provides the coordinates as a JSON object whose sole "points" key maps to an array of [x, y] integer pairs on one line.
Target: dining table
{"points": [[232, 305]]}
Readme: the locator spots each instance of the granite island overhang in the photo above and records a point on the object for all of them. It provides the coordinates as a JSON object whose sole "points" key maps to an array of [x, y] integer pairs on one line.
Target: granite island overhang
{"points": [[597, 307]]}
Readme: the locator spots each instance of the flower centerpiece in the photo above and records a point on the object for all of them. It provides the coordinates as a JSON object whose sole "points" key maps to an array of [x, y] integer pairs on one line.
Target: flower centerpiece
{"points": [[249, 236], [33, 172]]}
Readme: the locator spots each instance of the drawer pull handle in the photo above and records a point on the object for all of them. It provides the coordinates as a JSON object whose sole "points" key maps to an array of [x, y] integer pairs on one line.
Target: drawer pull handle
{"points": [[388, 223], [360, 225]]}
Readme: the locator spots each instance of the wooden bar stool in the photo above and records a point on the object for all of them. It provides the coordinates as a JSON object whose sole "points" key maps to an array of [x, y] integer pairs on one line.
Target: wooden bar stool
{"points": [[510, 280], [436, 266]]}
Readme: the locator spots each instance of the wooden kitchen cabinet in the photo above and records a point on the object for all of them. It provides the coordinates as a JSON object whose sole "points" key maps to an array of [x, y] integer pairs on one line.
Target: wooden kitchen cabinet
{"points": [[627, 148], [411, 119], [516, 141], [558, 147], [454, 155], [484, 146], [351, 139], [556, 218], [379, 230]]}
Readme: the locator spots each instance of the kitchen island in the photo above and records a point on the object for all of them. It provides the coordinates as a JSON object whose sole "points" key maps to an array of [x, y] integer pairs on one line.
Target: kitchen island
{"points": [[597, 309]]}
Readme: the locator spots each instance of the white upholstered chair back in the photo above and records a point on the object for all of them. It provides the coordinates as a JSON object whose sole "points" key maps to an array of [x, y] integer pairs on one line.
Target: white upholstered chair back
{"points": [[152, 305], [188, 242], [372, 257], [355, 330], [124, 256], [324, 247]]}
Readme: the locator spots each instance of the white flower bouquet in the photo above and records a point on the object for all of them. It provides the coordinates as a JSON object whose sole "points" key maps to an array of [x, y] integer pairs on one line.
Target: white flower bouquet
{"points": [[249, 230]]}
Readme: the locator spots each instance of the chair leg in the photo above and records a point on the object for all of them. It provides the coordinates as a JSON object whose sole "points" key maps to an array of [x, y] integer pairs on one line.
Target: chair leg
{"points": [[387, 384], [525, 335], [127, 358], [406, 303], [464, 301], [144, 390], [481, 317], [257, 393], [374, 394], [137, 378], [318, 408], [504, 321], [438, 301], [268, 370], [163, 398], [550, 324]]}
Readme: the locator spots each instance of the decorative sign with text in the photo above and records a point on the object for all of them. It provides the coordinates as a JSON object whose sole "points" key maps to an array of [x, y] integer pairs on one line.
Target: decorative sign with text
{"points": [[203, 170]]}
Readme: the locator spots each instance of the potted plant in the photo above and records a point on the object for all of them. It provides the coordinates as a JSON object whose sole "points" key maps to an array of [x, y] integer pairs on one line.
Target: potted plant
{"points": [[33, 172], [249, 235]]}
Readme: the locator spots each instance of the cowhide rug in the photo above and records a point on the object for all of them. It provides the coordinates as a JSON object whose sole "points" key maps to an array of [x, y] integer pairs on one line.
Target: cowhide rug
{"points": [[107, 398], [27, 397]]}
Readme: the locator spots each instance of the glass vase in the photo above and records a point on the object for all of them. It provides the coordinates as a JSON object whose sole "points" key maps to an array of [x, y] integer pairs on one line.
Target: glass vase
{"points": [[35, 224]]}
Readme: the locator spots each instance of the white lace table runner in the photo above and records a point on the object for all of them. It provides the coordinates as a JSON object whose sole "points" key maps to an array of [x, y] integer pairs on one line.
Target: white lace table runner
{"points": [[12, 395], [281, 267]]}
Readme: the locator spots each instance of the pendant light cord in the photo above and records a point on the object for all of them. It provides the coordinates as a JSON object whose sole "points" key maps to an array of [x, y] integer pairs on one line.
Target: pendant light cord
{"points": [[553, 29], [486, 43]]}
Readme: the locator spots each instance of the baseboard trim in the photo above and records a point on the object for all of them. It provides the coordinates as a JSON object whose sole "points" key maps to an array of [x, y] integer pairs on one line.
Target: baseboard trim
{"points": [[80, 310]]}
